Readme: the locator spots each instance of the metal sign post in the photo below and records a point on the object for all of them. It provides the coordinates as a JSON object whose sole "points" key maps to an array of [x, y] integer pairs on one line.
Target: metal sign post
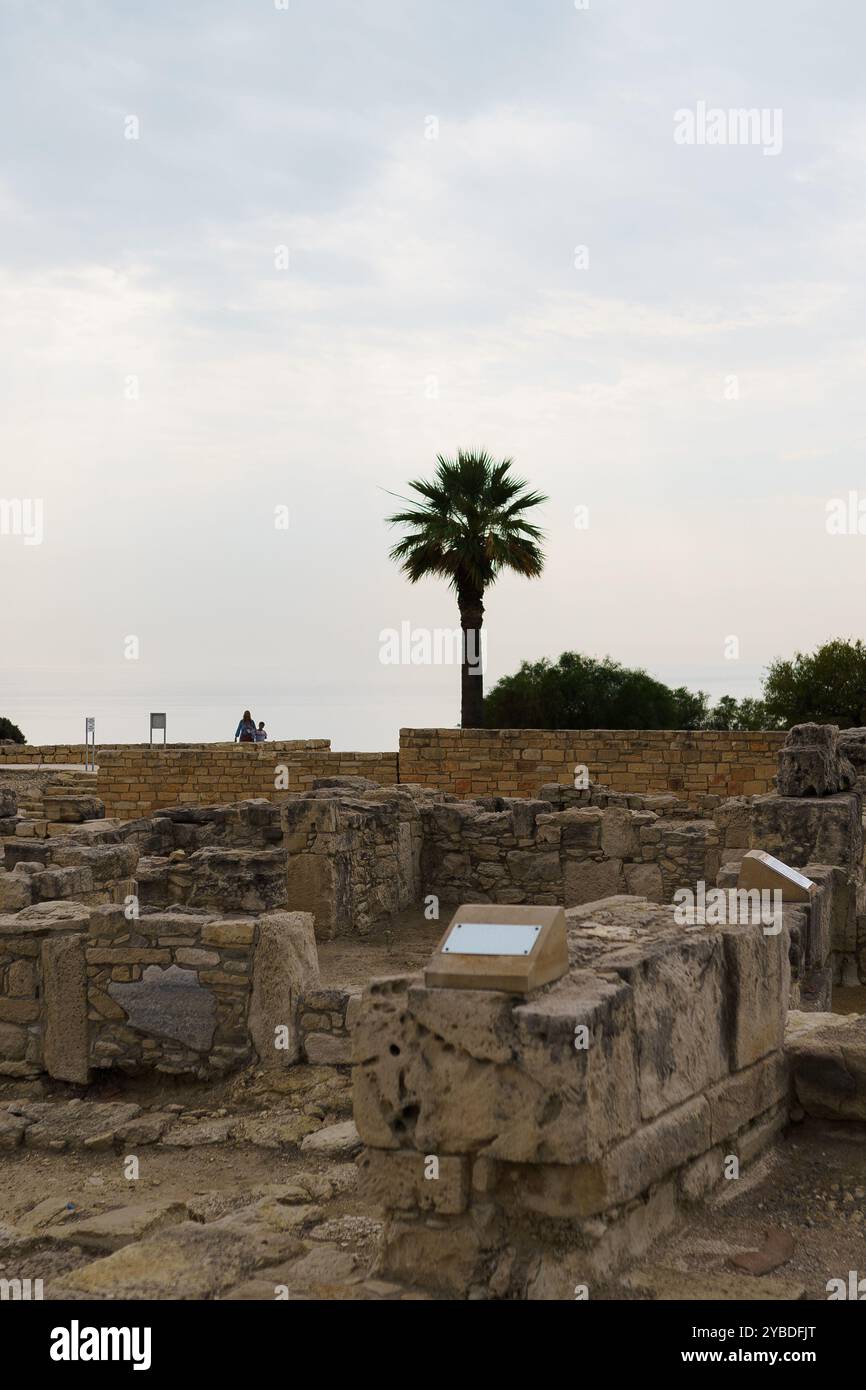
{"points": [[89, 743], [157, 721]]}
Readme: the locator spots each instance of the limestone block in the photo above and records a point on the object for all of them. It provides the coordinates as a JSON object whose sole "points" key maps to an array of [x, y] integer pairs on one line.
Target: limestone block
{"points": [[679, 987], [811, 763], [448, 1256], [65, 1028], [620, 837], [737, 1099], [828, 1063], [169, 1003], [409, 1181], [328, 1049], [190, 1261], [851, 744], [654, 1151], [604, 1246], [285, 967], [581, 828], [13, 1042], [71, 808], [111, 1230], [62, 883], [311, 887], [105, 862], [733, 819], [799, 831], [833, 915], [588, 880], [760, 1134], [757, 987], [478, 1021], [381, 1040], [645, 881], [458, 1071], [16, 891]]}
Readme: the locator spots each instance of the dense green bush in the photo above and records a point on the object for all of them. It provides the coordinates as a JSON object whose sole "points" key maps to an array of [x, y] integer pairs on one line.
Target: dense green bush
{"points": [[580, 692], [10, 730], [827, 686]]}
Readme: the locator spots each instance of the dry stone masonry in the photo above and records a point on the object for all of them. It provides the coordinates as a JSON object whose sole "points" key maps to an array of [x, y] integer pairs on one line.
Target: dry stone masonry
{"points": [[514, 1145]]}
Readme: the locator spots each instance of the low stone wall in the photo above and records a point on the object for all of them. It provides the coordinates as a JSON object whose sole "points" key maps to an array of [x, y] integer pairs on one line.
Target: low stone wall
{"points": [[42, 753], [326, 1021], [526, 851], [188, 992], [515, 762], [353, 856], [134, 781], [823, 837], [524, 1147]]}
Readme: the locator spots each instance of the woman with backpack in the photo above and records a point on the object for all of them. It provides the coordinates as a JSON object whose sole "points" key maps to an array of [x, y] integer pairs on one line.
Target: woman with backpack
{"points": [[246, 730]]}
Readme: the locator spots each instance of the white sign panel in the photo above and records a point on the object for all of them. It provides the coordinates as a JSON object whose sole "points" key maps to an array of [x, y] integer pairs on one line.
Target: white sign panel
{"points": [[785, 870], [491, 939]]}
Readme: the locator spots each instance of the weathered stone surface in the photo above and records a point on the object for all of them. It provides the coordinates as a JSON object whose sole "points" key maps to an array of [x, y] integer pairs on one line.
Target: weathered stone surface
{"points": [[645, 881], [201, 1135], [447, 1257], [65, 1039], [189, 1261], [328, 1049], [410, 1181], [737, 1099], [828, 1064], [11, 1130], [338, 1141], [281, 1129], [169, 1004], [110, 1230], [145, 1129], [811, 763], [810, 830], [71, 1124], [13, 1042], [587, 880], [852, 745], [16, 891], [677, 979], [285, 967], [757, 976]]}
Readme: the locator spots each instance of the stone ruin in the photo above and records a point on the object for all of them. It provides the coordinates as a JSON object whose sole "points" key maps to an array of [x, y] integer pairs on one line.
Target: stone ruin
{"points": [[186, 946]]}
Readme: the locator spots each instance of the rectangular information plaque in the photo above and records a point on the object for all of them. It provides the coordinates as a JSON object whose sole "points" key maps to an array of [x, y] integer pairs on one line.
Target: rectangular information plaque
{"points": [[491, 938], [763, 871], [500, 946]]}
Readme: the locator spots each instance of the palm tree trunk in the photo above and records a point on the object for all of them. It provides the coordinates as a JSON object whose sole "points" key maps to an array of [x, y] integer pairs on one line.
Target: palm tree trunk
{"points": [[471, 673]]}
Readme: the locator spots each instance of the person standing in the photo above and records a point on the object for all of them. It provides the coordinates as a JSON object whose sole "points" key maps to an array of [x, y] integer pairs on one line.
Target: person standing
{"points": [[246, 730], [261, 732]]}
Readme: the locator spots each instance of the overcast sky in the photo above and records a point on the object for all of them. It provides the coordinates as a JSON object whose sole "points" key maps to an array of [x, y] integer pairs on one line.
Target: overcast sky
{"points": [[694, 377]]}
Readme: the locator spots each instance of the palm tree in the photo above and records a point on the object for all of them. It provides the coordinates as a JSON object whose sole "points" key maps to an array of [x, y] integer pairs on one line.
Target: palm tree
{"points": [[468, 527]]}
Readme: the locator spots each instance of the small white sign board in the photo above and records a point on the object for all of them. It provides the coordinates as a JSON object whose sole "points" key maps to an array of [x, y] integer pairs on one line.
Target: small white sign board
{"points": [[761, 870], [491, 939], [785, 870]]}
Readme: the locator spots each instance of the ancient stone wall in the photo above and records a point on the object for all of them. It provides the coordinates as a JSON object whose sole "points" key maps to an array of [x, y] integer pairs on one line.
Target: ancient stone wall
{"points": [[353, 856], [515, 762], [71, 753], [134, 781], [823, 837], [183, 991], [523, 850], [569, 1127]]}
